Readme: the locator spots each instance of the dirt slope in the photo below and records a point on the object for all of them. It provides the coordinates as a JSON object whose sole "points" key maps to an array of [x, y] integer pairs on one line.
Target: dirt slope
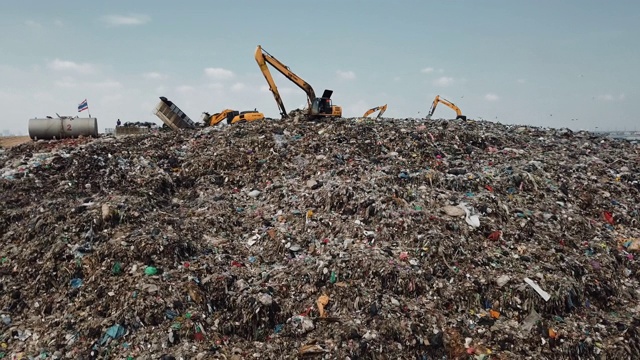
{"points": [[9, 141]]}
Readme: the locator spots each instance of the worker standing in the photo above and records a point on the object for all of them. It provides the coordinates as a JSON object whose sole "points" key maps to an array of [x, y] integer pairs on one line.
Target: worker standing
{"points": [[118, 122]]}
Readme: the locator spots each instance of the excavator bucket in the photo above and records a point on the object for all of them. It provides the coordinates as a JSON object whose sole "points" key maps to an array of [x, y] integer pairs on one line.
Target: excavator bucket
{"points": [[327, 94]]}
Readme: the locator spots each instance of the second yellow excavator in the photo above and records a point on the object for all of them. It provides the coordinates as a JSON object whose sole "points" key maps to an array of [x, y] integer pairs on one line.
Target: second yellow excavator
{"points": [[232, 117], [448, 103], [317, 106], [382, 109]]}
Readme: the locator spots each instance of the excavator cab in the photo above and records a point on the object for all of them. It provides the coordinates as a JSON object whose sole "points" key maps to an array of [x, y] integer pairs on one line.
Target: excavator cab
{"points": [[324, 107], [231, 115]]}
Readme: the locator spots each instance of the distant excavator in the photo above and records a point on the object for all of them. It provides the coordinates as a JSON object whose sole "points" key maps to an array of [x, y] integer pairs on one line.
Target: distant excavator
{"points": [[382, 109], [317, 107], [232, 117], [448, 103]]}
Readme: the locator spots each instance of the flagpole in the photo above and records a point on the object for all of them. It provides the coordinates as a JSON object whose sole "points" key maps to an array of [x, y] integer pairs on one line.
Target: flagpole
{"points": [[88, 111]]}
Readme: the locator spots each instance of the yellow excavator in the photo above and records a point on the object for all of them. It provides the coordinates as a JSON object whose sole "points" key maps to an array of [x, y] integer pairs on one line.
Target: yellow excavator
{"points": [[382, 109], [316, 106], [232, 117], [448, 103]]}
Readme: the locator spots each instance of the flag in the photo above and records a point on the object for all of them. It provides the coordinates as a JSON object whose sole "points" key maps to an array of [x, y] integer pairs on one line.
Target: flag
{"points": [[83, 106]]}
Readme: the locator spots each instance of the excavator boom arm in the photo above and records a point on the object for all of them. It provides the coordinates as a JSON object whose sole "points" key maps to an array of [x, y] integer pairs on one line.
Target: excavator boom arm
{"points": [[452, 106], [263, 58], [433, 106], [446, 102], [382, 109], [217, 118], [260, 59]]}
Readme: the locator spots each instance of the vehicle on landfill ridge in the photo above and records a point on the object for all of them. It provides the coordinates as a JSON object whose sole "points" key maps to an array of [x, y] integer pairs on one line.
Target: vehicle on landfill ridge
{"points": [[317, 106], [146, 124], [232, 117], [448, 103], [382, 109]]}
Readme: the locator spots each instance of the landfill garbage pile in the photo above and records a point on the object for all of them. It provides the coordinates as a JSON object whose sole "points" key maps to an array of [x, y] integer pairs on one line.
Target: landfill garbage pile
{"points": [[335, 240]]}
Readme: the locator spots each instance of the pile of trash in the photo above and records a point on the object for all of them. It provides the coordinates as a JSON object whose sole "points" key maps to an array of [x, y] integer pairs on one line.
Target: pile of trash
{"points": [[339, 239]]}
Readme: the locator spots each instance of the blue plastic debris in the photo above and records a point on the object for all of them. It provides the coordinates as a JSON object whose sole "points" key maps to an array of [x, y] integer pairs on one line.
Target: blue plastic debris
{"points": [[76, 283], [170, 314], [114, 332]]}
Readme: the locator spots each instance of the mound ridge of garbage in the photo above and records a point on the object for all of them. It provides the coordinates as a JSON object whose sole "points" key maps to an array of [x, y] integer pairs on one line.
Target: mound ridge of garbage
{"points": [[345, 239]]}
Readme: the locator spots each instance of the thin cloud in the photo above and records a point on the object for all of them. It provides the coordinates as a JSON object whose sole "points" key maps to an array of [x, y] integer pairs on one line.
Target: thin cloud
{"points": [[356, 108], [110, 99], [66, 65], [347, 75], [126, 20], [215, 86], [58, 23], [66, 83], [70, 83], [108, 84], [184, 89], [521, 81], [237, 87], [443, 81], [154, 76], [427, 70], [611, 98], [218, 73], [282, 90], [491, 97], [33, 24]]}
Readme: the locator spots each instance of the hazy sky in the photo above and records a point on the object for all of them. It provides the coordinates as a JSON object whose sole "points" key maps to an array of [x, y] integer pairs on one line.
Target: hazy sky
{"points": [[537, 62]]}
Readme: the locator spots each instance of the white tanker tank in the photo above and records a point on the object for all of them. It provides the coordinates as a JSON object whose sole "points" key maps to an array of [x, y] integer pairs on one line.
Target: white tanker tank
{"points": [[62, 127]]}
